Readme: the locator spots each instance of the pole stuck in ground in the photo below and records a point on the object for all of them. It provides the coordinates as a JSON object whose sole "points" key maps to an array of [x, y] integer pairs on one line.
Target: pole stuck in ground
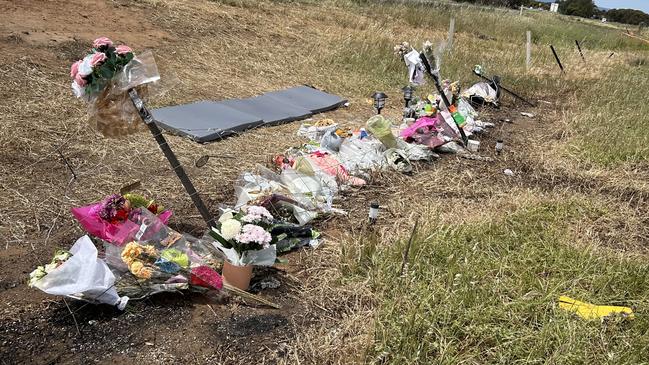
{"points": [[528, 51], [580, 52], [147, 118], [451, 35], [556, 57]]}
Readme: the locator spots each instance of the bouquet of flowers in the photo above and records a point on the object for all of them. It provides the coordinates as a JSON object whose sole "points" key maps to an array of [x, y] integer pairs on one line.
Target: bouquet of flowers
{"points": [[107, 218], [244, 237], [102, 79], [59, 258], [79, 274], [402, 49]]}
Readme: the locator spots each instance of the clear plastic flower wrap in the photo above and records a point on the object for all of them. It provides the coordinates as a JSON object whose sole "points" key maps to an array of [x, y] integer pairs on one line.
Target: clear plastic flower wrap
{"points": [[102, 79]]}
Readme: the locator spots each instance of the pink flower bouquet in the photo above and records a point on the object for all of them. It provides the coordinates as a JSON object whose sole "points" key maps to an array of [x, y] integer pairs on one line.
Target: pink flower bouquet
{"points": [[113, 219]]}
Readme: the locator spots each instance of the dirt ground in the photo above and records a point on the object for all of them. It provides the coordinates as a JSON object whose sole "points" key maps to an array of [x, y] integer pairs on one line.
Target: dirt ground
{"points": [[39, 40]]}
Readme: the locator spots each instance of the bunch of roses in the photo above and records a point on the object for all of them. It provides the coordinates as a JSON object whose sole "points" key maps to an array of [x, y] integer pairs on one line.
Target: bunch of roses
{"points": [[89, 75]]}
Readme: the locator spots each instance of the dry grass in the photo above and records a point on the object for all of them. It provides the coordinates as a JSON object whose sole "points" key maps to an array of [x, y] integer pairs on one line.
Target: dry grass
{"points": [[225, 49]]}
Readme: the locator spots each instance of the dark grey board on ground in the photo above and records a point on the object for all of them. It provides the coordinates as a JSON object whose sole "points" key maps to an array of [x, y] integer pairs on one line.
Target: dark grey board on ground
{"points": [[309, 98], [204, 121], [270, 110], [207, 121]]}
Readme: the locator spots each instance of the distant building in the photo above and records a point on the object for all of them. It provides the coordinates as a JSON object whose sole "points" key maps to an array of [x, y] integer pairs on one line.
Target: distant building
{"points": [[554, 7]]}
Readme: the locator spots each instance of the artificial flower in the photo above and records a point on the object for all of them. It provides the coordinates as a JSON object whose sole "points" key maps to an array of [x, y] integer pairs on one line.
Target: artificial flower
{"points": [[74, 69], [230, 229], [97, 59], [79, 80], [101, 42], [123, 49]]}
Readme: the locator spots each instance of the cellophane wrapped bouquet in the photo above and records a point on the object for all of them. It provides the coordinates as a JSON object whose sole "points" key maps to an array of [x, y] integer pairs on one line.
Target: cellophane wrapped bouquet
{"points": [[112, 218], [103, 77]]}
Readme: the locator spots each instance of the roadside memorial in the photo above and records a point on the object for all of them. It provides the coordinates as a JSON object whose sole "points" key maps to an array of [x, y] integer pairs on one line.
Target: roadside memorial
{"points": [[275, 204]]}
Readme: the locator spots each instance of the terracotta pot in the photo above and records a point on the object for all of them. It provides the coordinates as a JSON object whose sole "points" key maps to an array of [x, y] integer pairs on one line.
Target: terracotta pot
{"points": [[237, 276]]}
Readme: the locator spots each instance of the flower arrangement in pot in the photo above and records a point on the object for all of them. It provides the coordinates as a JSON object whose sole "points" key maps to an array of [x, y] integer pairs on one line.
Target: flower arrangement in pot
{"points": [[245, 240]]}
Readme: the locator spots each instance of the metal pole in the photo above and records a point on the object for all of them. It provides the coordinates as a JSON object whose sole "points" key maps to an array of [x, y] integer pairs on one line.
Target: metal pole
{"points": [[528, 51], [509, 91], [439, 88], [451, 34], [147, 118], [556, 56], [580, 52]]}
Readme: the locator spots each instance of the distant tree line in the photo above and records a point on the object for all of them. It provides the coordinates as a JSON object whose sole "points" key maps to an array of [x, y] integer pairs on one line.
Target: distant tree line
{"points": [[628, 16], [581, 8]]}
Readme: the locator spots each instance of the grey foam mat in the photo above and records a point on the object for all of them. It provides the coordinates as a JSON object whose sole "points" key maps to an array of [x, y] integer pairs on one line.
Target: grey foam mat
{"points": [[270, 110], [204, 121], [315, 100], [207, 121]]}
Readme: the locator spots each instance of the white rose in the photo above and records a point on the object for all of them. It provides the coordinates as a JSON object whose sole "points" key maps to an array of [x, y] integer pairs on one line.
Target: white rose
{"points": [[230, 228], [78, 91], [85, 68]]}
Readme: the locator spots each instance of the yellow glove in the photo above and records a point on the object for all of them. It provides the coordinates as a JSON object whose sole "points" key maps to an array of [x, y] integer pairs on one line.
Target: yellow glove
{"points": [[592, 311]]}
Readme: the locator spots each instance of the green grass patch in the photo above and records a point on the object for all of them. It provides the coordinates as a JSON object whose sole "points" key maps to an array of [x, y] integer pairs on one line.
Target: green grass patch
{"points": [[486, 293]]}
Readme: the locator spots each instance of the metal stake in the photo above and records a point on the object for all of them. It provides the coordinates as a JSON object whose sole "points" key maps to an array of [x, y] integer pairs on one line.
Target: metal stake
{"points": [[147, 118], [556, 56], [580, 52]]}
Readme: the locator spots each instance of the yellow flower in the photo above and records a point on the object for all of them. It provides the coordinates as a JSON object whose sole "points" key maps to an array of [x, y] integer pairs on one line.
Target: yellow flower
{"points": [[131, 252], [139, 270]]}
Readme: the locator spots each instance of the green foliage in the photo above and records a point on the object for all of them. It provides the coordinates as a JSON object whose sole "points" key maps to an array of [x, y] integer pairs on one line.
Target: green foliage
{"points": [[486, 293], [582, 8], [628, 16]]}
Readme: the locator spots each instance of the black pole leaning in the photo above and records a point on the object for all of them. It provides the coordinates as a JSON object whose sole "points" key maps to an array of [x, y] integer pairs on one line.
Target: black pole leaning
{"points": [[580, 52], [438, 86], [147, 118], [510, 92], [556, 56]]}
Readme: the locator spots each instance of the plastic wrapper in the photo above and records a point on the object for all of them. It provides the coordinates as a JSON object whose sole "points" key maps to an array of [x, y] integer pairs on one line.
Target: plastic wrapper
{"points": [[88, 217], [331, 141], [315, 131], [398, 160], [83, 276], [424, 132], [158, 259], [381, 129], [358, 154], [111, 111], [274, 192]]}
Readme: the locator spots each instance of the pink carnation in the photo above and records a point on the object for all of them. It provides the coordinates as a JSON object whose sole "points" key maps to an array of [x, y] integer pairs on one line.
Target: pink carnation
{"points": [[102, 41], [251, 233], [74, 69], [256, 214], [97, 59], [123, 49], [80, 80]]}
